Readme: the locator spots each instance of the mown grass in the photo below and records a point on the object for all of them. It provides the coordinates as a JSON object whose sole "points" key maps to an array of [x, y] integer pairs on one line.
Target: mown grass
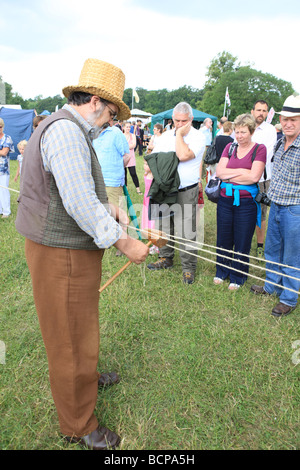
{"points": [[201, 367]]}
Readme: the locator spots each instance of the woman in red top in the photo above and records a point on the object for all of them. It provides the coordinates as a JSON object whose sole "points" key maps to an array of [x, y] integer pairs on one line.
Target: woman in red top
{"points": [[237, 210]]}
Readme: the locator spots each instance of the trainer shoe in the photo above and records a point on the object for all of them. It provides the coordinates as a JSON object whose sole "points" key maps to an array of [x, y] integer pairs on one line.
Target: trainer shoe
{"points": [[188, 277], [161, 263]]}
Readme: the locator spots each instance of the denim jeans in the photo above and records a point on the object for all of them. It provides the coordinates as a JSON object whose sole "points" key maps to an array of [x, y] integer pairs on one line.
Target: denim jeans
{"points": [[235, 229], [283, 246]]}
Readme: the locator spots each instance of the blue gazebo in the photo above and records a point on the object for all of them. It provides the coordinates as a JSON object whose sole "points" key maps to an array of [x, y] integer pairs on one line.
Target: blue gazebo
{"points": [[199, 116]]}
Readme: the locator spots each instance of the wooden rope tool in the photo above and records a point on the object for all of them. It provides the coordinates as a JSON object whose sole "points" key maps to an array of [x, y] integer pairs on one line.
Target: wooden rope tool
{"points": [[155, 237]]}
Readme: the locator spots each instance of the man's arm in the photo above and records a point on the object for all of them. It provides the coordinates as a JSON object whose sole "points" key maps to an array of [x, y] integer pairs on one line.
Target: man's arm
{"points": [[183, 152]]}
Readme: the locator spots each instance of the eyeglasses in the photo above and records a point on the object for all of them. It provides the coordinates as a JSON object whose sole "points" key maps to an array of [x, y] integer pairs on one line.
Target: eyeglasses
{"points": [[112, 112]]}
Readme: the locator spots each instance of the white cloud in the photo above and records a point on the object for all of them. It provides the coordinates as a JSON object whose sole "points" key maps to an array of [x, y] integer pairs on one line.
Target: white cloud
{"points": [[154, 50]]}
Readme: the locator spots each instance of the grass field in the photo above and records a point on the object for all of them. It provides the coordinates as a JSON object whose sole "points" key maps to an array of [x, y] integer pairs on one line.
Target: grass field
{"points": [[201, 367]]}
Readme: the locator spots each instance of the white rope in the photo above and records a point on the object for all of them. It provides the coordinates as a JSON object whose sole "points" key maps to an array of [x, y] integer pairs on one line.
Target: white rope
{"points": [[176, 238], [237, 270], [226, 266]]}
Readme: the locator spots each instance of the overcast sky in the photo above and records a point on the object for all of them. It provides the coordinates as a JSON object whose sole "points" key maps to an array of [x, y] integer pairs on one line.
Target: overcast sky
{"points": [[157, 43]]}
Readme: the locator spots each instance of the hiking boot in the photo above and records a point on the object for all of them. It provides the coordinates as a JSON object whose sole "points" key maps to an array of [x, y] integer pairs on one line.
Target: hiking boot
{"points": [[188, 277], [281, 310], [161, 263]]}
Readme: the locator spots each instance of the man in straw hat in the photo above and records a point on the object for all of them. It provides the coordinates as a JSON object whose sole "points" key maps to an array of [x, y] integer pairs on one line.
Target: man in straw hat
{"points": [[64, 214], [282, 240]]}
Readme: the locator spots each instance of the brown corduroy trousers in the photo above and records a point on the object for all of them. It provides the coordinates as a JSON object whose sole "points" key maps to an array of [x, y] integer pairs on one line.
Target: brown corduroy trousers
{"points": [[66, 294]]}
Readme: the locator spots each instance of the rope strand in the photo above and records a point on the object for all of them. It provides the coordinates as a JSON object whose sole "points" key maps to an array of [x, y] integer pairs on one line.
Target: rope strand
{"points": [[223, 256], [176, 238]]}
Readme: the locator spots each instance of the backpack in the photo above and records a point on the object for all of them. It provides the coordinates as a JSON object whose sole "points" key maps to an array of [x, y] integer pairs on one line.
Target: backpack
{"points": [[211, 154]]}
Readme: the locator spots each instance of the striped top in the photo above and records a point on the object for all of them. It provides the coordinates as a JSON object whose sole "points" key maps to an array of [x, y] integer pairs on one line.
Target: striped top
{"points": [[66, 155]]}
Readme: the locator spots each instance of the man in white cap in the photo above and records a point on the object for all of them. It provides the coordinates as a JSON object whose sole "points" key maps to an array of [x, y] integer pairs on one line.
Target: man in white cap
{"points": [[282, 240], [65, 216]]}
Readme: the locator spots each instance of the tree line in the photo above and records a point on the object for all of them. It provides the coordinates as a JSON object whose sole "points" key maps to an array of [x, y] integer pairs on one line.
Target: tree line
{"points": [[245, 84]]}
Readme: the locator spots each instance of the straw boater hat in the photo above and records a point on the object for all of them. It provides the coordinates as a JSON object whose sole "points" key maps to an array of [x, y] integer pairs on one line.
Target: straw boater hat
{"points": [[291, 106], [104, 80]]}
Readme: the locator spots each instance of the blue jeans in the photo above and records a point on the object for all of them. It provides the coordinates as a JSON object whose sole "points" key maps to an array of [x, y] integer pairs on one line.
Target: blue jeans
{"points": [[283, 246], [235, 229]]}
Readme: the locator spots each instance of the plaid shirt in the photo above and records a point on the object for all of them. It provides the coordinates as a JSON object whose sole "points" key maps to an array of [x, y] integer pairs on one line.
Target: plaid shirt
{"points": [[285, 182], [66, 155]]}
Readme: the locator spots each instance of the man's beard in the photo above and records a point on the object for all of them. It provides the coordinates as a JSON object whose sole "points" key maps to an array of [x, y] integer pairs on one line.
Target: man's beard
{"points": [[92, 118]]}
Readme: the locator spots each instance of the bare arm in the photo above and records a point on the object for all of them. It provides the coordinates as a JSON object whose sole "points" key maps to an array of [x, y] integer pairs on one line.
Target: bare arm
{"points": [[239, 175], [126, 158], [183, 152], [4, 152]]}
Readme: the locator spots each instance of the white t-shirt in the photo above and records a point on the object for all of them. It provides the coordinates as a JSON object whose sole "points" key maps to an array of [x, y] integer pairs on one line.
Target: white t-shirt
{"points": [[266, 134], [189, 170]]}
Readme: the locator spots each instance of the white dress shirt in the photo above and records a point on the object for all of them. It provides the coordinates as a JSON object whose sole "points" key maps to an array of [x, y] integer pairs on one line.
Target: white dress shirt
{"points": [[266, 134]]}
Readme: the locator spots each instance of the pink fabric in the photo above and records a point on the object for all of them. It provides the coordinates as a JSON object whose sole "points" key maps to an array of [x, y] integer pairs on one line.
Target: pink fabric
{"points": [[146, 223], [132, 154]]}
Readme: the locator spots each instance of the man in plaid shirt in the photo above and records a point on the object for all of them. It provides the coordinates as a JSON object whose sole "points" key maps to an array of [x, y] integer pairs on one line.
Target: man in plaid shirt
{"points": [[282, 240]]}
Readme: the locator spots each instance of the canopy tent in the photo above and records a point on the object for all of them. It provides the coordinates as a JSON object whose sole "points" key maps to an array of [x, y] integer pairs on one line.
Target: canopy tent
{"points": [[140, 114], [137, 114], [17, 124], [199, 117]]}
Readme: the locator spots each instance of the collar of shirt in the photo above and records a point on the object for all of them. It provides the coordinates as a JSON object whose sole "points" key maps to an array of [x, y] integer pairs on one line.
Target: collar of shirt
{"points": [[296, 142], [87, 127]]}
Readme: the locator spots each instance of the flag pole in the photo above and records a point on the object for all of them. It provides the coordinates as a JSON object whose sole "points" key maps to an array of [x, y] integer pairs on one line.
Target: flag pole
{"points": [[225, 102]]}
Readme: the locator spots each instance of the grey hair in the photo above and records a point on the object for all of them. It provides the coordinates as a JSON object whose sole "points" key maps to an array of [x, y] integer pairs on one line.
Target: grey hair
{"points": [[183, 108]]}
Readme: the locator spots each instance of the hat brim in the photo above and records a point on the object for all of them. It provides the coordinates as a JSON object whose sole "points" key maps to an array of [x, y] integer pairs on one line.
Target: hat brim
{"points": [[288, 114], [124, 111]]}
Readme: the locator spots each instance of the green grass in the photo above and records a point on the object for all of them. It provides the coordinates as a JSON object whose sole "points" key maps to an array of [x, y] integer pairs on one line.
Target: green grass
{"points": [[201, 367]]}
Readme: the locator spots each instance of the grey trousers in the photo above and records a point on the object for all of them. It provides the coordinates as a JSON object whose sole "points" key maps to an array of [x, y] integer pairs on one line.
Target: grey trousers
{"points": [[182, 224]]}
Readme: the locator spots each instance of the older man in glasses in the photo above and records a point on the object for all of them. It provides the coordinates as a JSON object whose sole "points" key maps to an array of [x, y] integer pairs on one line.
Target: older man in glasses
{"points": [[67, 221]]}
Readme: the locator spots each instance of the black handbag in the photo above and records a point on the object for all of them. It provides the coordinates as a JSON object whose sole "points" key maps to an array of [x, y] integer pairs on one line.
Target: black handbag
{"points": [[213, 189], [211, 154]]}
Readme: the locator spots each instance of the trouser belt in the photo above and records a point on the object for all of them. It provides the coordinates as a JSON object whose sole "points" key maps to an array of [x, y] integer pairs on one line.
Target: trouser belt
{"points": [[188, 187]]}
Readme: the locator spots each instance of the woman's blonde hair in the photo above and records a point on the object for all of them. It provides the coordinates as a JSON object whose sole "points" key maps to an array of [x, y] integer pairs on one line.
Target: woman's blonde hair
{"points": [[245, 120]]}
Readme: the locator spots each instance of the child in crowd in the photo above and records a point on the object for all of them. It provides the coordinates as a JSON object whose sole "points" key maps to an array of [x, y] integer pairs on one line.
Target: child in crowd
{"points": [[21, 147], [146, 223]]}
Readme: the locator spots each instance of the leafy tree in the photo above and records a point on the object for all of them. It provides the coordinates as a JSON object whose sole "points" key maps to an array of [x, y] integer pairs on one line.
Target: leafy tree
{"points": [[156, 101], [245, 86], [222, 63]]}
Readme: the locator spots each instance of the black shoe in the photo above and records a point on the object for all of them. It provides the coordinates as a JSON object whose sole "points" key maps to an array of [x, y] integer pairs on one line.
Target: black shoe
{"points": [[161, 263], [107, 379], [188, 277], [100, 439]]}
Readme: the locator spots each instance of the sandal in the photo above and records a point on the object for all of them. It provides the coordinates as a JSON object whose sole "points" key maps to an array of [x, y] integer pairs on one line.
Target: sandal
{"points": [[140, 193], [234, 286], [218, 281]]}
